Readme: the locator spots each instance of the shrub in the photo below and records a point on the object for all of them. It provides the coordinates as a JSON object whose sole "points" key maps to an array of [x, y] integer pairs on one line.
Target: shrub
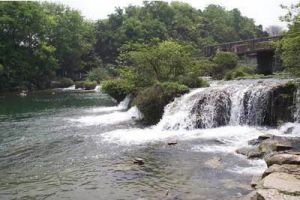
{"points": [[240, 71], [192, 81], [62, 83], [152, 100], [86, 85], [227, 60], [224, 61], [201, 67], [97, 74], [118, 88]]}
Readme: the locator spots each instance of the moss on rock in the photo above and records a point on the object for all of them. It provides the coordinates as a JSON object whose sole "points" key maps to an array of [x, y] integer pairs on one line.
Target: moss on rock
{"points": [[152, 100]]}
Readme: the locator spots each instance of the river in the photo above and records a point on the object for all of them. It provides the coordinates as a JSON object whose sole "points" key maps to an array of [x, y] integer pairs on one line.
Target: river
{"points": [[70, 144]]}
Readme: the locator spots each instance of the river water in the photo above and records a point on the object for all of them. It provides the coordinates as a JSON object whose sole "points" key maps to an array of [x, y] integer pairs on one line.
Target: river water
{"points": [[68, 144]]}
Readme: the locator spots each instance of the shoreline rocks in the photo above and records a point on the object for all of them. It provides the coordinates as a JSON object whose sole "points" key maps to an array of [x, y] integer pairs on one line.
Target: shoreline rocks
{"points": [[281, 181]]}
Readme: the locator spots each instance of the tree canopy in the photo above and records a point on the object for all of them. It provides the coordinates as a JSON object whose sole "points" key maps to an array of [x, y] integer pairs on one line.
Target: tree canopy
{"points": [[40, 40], [176, 21], [290, 44]]}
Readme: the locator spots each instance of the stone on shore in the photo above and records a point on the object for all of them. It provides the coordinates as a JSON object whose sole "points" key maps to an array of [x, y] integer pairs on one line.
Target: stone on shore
{"points": [[270, 145], [250, 152], [283, 158], [272, 194], [285, 168]]}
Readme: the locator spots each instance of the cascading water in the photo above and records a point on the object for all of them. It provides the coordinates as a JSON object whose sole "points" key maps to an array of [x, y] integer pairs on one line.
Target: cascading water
{"points": [[246, 102]]}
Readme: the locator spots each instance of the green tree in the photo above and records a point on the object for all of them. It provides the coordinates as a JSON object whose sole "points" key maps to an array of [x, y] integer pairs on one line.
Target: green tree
{"points": [[162, 62], [27, 56], [290, 44]]}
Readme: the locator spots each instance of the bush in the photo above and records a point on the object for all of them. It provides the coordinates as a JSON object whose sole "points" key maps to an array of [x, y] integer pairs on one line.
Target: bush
{"points": [[240, 71], [62, 83], [86, 85], [224, 61], [118, 89], [152, 100], [97, 74], [201, 67], [192, 81]]}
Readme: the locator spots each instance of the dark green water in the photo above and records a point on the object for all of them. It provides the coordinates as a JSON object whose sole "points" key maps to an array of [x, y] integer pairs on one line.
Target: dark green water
{"points": [[52, 147]]}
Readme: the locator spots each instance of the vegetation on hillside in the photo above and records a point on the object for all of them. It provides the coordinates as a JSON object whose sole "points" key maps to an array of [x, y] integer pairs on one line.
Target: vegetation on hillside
{"points": [[44, 42], [290, 44]]}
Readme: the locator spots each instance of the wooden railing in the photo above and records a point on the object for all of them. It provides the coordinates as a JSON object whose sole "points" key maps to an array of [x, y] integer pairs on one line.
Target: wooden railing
{"points": [[243, 47]]}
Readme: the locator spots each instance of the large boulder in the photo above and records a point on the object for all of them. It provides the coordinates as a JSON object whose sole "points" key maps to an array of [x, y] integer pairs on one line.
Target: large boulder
{"points": [[283, 158], [285, 168], [272, 194], [281, 106], [270, 145], [250, 152], [283, 182]]}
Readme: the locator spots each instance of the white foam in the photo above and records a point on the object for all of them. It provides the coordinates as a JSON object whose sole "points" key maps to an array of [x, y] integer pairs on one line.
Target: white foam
{"points": [[290, 130], [111, 118], [256, 167], [98, 88], [123, 105], [72, 87], [232, 135]]}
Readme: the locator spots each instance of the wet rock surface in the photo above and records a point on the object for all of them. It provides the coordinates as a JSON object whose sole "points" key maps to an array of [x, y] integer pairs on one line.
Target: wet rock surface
{"points": [[284, 158], [281, 181]]}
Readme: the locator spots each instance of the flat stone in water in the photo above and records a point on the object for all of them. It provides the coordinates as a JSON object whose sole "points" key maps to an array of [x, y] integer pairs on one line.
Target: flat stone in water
{"points": [[171, 143], [138, 161], [214, 163]]}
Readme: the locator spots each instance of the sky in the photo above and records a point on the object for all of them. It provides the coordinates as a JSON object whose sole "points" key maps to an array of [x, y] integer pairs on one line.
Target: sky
{"points": [[264, 12]]}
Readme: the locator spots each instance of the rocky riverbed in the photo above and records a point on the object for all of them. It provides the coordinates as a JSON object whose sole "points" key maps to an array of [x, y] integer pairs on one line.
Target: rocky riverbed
{"points": [[281, 181]]}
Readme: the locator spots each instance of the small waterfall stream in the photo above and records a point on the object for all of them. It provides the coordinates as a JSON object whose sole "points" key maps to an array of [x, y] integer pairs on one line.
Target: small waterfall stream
{"points": [[246, 102]]}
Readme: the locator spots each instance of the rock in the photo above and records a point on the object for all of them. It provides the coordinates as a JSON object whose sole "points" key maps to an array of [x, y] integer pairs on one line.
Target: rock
{"points": [[285, 168], [281, 105], [289, 130], [260, 139], [265, 137], [171, 143], [255, 181], [250, 152], [269, 145], [139, 161], [214, 163], [283, 182], [283, 158], [250, 196], [272, 194], [254, 142]]}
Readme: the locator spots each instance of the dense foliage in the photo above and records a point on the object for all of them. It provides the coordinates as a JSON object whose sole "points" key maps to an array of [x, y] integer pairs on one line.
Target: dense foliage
{"points": [[138, 45], [290, 45], [177, 21], [40, 41], [118, 89], [152, 100]]}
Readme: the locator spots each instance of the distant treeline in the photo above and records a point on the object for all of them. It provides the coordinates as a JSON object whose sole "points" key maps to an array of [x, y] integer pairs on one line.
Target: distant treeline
{"points": [[41, 42]]}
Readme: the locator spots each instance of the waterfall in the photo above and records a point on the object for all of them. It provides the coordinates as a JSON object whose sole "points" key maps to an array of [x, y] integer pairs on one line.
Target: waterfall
{"points": [[244, 102]]}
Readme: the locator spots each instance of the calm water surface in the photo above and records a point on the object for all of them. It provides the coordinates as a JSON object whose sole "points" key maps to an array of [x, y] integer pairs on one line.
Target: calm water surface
{"points": [[80, 145]]}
